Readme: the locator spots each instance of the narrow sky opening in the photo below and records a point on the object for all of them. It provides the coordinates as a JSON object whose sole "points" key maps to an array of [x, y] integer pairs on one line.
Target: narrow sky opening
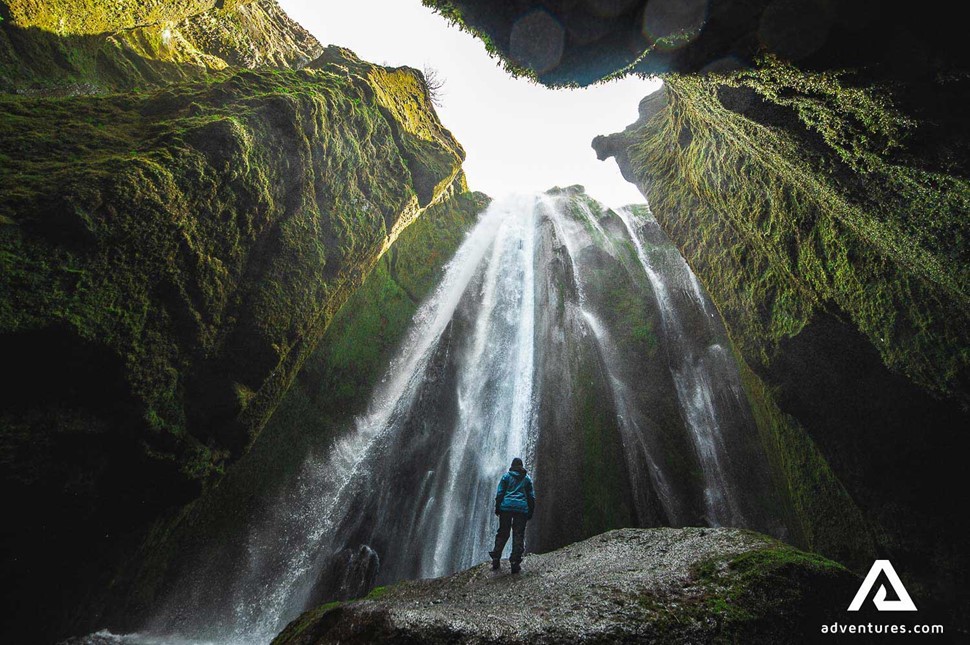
{"points": [[520, 137]]}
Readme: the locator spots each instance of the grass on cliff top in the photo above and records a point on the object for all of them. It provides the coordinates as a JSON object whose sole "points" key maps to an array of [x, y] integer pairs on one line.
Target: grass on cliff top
{"points": [[785, 224]]}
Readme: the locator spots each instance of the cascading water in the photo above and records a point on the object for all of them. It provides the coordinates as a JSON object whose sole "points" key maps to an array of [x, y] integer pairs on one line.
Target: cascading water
{"points": [[541, 341], [693, 377]]}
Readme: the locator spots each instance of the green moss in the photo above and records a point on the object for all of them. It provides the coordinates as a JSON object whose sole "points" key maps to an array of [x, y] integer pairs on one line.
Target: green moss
{"points": [[196, 231], [57, 48], [369, 327], [738, 588], [604, 506], [763, 595], [630, 314], [801, 197], [376, 593], [779, 225], [98, 16], [827, 519], [304, 622], [334, 384]]}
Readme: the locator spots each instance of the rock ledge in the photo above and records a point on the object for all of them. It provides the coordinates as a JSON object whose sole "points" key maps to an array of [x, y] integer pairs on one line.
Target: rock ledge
{"points": [[628, 585]]}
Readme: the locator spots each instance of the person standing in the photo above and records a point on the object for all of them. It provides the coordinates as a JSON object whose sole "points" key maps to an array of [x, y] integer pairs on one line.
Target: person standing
{"points": [[515, 502]]}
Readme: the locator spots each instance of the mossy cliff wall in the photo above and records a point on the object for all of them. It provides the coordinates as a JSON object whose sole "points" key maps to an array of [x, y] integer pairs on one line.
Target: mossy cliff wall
{"points": [[333, 387], [65, 47], [169, 260], [810, 160], [830, 230]]}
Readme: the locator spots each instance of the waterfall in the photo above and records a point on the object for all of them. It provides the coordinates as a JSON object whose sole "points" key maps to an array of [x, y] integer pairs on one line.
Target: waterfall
{"points": [[640, 459], [522, 350], [694, 384]]}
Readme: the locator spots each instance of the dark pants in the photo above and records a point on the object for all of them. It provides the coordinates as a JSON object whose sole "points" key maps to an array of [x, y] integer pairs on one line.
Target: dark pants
{"points": [[514, 522]]}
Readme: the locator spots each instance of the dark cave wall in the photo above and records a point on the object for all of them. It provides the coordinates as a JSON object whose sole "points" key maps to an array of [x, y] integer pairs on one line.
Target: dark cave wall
{"points": [[830, 231], [810, 160], [332, 387], [169, 260], [569, 42]]}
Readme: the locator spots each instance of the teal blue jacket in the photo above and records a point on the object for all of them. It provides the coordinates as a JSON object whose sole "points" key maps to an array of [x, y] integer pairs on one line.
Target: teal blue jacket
{"points": [[515, 493]]}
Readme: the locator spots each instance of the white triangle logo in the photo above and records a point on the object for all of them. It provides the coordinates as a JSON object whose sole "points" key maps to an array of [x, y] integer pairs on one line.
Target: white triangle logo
{"points": [[905, 603]]}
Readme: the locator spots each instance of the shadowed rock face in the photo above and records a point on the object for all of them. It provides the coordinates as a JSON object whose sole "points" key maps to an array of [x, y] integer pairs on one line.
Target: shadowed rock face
{"points": [[211, 538], [647, 585], [842, 278], [208, 233], [567, 41]]}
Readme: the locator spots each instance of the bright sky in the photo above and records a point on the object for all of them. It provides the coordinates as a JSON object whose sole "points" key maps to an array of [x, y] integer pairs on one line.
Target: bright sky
{"points": [[520, 137]]}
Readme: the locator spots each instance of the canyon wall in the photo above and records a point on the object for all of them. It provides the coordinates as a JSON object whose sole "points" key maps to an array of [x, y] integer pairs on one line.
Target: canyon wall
{"points": [[172, 254], [810, 161]]}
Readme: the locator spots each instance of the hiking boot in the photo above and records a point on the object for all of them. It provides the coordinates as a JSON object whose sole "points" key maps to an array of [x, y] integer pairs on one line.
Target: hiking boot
{"points": [[496, 560], [515, 567]]}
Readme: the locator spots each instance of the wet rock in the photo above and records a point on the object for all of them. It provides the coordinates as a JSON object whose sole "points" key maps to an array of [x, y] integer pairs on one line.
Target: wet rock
{"points": [[631, 585], [351, 574], [870, 351], [226, 243]]}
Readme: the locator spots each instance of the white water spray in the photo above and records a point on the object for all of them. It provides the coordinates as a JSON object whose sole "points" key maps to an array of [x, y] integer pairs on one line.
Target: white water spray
{"points": [[410, 485]]}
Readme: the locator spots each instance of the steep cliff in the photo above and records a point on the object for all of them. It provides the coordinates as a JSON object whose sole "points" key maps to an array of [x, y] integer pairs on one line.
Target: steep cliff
{"points": [[214, 532], [829, 222], [634, 372], [810, 161], [58, 48], [169, 261]]}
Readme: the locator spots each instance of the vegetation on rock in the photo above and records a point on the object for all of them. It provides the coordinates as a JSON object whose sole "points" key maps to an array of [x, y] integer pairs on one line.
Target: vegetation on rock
{"points": [[626, 586], [331, 388], [827, 216], [197, 240], [843, 220], [53, 48]]}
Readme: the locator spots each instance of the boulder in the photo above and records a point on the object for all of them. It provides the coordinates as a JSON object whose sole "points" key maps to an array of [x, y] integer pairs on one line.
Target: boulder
{"points": [[695, 585]]}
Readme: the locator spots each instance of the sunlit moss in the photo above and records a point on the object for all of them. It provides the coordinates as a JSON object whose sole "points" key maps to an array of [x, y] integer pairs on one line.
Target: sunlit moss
{"points": [[213, 226], [56, 47], [778, 226]]}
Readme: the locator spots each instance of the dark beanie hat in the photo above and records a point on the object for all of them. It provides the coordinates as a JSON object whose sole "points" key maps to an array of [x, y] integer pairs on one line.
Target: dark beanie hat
{"points": [[517, 464]]}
